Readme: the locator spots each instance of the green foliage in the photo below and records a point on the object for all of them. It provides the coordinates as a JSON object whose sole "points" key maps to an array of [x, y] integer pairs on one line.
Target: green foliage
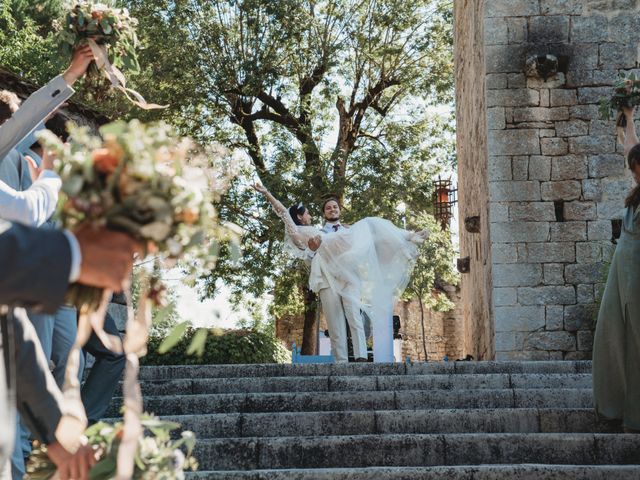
{"points": [[218, 347], [157, 454], [165, 317], [330, 96], [433, 267], [24, 47]]}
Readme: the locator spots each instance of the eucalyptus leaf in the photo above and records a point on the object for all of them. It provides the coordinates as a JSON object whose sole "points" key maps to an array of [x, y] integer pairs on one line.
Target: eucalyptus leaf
{"points": [[173, 338], [198, 342]]}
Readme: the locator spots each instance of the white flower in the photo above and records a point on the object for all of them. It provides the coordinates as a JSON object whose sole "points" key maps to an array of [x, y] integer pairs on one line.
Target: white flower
{"points": [[157, 231], [148, 447], [178, 460], [174, 247]]}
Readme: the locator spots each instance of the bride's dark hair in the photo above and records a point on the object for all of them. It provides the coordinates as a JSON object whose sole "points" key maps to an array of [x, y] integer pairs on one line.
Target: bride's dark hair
{"points": [[296, 210], [633, 159]]}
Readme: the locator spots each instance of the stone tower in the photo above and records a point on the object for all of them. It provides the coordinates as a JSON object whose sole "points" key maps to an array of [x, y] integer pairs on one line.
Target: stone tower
{"points": [[541, 177]]}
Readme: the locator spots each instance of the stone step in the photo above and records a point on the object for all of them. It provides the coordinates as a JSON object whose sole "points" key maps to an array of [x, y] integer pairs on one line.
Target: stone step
{"points": [[342, 401], [365, 383], [358, 369], [288, 424], [416, 450], [481, 472]]}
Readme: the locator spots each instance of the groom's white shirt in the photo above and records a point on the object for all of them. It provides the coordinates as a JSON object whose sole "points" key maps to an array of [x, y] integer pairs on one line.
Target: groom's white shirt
{"points": [[326, 228], [329, 227]]}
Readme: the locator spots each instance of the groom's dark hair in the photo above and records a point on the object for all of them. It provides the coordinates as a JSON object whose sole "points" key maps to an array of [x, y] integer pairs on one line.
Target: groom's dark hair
{"points": [[330, 198]]}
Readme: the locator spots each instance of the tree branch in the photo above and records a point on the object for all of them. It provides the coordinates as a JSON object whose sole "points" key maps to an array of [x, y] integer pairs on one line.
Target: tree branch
{"points": [[240, 117], [374, 137]]}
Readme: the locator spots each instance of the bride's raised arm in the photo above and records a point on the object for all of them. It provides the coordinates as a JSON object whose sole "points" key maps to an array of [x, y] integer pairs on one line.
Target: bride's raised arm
{"points": [[290, 227]]}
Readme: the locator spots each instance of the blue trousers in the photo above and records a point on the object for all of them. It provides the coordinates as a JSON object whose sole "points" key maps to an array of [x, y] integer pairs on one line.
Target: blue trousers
{"points": [[105, 374]]}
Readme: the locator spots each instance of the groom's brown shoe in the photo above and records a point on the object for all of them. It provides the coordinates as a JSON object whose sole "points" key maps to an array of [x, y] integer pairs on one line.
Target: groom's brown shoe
{"points": [[361, 359]]}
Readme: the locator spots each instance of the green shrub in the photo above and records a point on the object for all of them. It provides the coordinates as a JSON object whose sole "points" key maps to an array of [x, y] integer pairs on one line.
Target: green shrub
{"points": [[230, 346]]}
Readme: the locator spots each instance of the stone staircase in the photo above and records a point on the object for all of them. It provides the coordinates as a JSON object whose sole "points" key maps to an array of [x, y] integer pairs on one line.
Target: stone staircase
{"points": [[462, 420]]}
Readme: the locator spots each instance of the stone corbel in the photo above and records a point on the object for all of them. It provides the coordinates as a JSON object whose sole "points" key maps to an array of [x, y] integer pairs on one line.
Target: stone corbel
{"points": [[464, 264], [472, 224]]}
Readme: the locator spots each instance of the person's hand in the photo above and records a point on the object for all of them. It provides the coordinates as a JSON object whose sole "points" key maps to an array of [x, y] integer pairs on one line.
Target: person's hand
{"points": [[314, 243], [72, 465], [420, 237], [107, 257], [34, 169], [47, 164], [258, 187], [82, 58]]}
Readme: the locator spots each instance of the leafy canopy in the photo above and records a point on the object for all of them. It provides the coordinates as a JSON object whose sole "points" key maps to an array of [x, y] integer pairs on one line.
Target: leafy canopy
{"points": [[351, 97]]}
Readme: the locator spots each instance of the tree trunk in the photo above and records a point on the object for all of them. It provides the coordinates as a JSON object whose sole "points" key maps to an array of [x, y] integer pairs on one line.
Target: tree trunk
{"points": [[310, 332], [424, 335]]}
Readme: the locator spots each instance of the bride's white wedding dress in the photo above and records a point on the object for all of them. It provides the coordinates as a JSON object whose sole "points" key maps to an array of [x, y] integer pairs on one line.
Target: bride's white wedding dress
{"points": [[370, 262]]}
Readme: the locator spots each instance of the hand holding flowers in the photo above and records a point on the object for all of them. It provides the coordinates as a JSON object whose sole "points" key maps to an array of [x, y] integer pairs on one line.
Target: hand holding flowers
{"points": [[111, 35], [626, 94]]}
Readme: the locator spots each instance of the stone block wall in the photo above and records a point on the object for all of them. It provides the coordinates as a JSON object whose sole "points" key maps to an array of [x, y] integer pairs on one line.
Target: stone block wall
{"points": [[556, 174], [473, 175], [443, 331]]}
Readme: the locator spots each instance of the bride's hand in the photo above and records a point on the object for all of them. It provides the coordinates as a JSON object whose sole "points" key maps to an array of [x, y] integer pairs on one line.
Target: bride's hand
{"points": [[421, 236], [258, 187]]}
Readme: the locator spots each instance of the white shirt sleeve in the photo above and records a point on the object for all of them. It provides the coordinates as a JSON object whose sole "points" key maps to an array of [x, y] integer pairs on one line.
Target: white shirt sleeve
{"points": [[76, 256], [33, 111], [33, 206]]}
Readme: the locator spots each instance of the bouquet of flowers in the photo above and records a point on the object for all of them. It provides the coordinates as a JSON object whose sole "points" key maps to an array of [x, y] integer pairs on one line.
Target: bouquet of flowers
{"points": [[157, 455], [111, 34], [626, 93], [147, 182]]}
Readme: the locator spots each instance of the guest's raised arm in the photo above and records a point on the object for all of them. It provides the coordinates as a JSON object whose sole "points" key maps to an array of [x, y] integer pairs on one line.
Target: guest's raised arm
{"points": [[630, 135], [41, 103], [37, 265]]}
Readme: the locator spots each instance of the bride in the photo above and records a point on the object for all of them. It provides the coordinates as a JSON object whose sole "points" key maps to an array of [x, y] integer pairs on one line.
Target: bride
{"points": [[368, 263]]}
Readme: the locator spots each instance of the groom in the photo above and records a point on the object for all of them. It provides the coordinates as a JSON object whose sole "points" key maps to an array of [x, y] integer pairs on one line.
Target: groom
{"points": [[335, 306]]}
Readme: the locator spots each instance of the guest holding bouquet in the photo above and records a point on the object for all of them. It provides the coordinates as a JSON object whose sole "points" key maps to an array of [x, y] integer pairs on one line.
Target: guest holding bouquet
{"points": [[616, 348]]}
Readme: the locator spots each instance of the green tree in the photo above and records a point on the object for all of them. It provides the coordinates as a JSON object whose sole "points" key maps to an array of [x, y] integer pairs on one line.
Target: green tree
{"points": [[432, 273], [323, 96], [25, 48]]}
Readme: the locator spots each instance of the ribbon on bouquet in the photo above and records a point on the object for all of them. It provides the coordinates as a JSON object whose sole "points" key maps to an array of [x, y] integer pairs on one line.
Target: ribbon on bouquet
{"points": [[135, 346], [74, 420], [116, 77], [72, 425]]}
